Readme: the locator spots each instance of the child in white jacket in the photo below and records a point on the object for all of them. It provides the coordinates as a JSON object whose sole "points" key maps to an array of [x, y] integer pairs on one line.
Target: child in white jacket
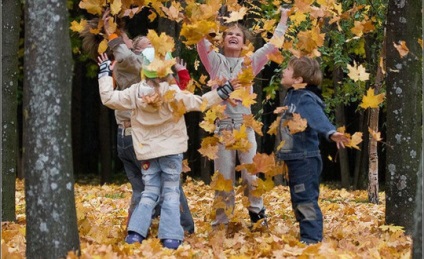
{"points": [[160, 139]]}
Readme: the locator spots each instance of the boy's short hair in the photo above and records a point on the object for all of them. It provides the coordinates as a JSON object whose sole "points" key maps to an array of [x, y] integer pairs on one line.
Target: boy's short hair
{"points": [[307, 68]]}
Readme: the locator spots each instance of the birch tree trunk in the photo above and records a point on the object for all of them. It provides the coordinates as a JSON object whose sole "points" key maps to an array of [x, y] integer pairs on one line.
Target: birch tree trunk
{"points": [[51, 225]]}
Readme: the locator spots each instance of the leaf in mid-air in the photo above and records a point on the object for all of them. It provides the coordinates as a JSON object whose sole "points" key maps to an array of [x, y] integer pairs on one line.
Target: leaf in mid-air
{"points": [[371, 100], [219, 183], [78, 26], [296, 124], [357, 73], [401, 48]]}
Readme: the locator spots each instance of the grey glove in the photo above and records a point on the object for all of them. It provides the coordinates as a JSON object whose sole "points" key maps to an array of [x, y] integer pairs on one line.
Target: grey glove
{"points": [[225, 90], [104, 69]]}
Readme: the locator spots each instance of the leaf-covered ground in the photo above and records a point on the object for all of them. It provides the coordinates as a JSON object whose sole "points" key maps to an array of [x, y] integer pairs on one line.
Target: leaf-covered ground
{"points": [[353, 228]]}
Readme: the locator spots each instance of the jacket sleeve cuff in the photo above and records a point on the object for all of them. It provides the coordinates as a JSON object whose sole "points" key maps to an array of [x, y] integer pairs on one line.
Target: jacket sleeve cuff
{"points": [[331, 132]]}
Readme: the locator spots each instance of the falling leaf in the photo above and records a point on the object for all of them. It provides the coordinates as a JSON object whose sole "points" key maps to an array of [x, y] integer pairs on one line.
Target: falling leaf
{"points": [[370, 100], [355, 140], [92, 6], [357, 73], [274, 126], [173, 12], [401, 48], [236, 15], [247, 98], [209, 147], [250, 121], [115, 7], [219, 183], [296, 124], [78, 26], [375, 135], [102, 46]]}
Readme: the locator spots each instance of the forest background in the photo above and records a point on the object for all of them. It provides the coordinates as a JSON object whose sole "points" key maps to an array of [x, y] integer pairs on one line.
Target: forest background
{"points": [[360, 47]]}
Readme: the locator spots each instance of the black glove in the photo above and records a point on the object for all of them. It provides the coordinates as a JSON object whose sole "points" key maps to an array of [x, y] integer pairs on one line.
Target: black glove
{"points": [[104, 69], [225, 90]]}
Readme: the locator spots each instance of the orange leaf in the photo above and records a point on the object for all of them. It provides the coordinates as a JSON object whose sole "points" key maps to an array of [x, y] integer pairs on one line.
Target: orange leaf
{"points": [[402, 48], [296, 124]]}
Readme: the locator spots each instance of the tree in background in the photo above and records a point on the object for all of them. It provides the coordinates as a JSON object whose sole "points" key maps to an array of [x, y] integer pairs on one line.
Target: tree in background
{"points": [[51, 225], [10, 68], [404, 110]]}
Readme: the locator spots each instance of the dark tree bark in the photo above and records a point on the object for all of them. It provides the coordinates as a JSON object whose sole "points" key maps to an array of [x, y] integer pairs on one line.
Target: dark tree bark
{"points": [[341, 121], [404, 109], [10, 71], [51, 225]]}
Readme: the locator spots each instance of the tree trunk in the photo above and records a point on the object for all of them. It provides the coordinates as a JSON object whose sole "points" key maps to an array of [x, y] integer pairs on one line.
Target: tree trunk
{"points": [[404, 109], [417, 236], [373, 151], [105, 146], [341, 121], [51, 225], [9, 148]]}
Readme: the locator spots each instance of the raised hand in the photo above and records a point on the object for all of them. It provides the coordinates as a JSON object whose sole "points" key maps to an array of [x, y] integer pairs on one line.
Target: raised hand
{"points": [[105, 65]]}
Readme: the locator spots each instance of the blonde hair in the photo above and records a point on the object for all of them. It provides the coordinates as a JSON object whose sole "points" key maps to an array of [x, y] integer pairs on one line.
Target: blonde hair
{"points": [[307, 68]]}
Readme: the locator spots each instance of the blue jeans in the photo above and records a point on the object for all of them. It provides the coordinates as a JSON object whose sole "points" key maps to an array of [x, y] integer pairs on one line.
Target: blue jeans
{"points": [[160, 175], [133, 171], [304, 192]]}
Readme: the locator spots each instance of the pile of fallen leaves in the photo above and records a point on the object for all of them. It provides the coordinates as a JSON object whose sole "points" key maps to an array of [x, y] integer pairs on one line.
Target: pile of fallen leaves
{"points": [[353, 228]]}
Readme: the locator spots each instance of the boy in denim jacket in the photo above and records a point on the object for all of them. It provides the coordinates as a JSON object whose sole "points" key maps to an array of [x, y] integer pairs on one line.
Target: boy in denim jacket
{"points": [[300, 150]]}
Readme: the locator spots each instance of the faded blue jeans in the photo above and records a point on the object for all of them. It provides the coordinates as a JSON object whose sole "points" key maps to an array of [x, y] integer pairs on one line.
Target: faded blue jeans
{"points": [[160, 175], [304, 177], [133, 171]]}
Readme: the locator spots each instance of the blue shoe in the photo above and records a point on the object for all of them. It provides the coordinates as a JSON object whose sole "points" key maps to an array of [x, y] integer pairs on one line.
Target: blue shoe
{"points": [[171, 243], [133, 237]]}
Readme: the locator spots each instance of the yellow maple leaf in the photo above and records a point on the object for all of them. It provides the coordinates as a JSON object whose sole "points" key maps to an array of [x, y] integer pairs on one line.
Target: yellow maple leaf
{"points": [[357, 73], [115, 7], [78, 26], [169, 96], [178, 109], [375, 135], [192, 33], [244, 95], [274, 126], [102, 46], [209, 147], [236, 15], [310, 40], [250, 121], [219, 183], [296, 124], [264, 162], [162, 43], [358, 28], [92, 6], [370, 100], [263, 186], [173, 12], [355, 140], [246, 76], [401, 48], [276, 57]]}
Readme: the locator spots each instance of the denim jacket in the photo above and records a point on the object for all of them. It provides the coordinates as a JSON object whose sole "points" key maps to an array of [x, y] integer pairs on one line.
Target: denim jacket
{"points": [[306, 143]]}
